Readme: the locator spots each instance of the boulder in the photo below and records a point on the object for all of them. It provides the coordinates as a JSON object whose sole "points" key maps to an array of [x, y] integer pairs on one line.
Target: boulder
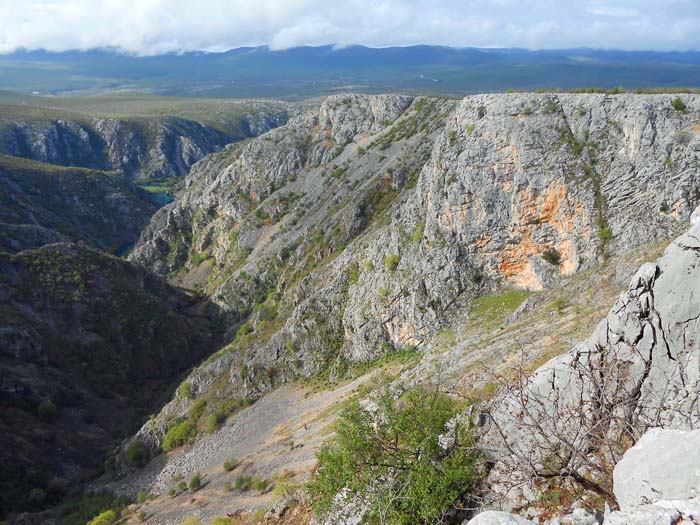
{"points": [[663, 465], [667, 512], [493, 517]]}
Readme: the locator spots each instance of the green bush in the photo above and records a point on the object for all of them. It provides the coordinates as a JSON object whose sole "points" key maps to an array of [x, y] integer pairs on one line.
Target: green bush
{"points": [[392, 262], [417, 233], [258, 483], [195, 483], [551, 255], [36, 497], [108, 517], [678, 105], [216, 419], [47, 410], [180, 434], [141, 497], [182, 486], [136, 454], [243, 483], [605, 234], [421, 481], [230, 464], [186, 390]]}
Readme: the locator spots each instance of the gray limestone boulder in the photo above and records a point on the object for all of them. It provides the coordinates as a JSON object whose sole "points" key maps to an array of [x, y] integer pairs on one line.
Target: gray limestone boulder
{"points": [[664, 464], [493, 517]]}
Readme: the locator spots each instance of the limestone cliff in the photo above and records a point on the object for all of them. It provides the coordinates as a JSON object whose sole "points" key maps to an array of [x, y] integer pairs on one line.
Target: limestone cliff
{"points": [[351, 230], [142, 148]]}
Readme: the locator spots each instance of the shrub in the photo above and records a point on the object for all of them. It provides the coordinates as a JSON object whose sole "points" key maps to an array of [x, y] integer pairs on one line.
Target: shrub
{"points": [[551, 255], [392, 262], [195, 483], [678, 105], [47, 410], [172, 493], [182, 486], [186, 390], [216, 419], [417, 233], [108, 517], [141, 497], [227, 486], [142, 516], [230, 464], [605, 234], [258, 483], [136, 454], [179, 434], [36, 497], [243, 483], [422, 480]]}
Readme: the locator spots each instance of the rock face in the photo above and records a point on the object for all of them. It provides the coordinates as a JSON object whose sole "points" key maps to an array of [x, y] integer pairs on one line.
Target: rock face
{"points": [[349, 231], [640, 369], [88, 346], [42, 203], [663, 465], [141, 148]]}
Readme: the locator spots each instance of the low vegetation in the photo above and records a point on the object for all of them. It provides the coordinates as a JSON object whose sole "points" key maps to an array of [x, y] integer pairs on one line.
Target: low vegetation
{"points": [[423, 480]]}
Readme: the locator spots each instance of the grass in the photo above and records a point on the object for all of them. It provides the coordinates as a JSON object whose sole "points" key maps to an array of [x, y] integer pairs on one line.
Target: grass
{"points": [[492, 309]]}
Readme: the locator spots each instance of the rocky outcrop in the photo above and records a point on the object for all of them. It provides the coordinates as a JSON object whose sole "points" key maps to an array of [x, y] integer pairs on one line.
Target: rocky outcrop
{"points": [[659, 479], [351, 230], [89, 345], [578, 413], [141, 148], [43, 203]]}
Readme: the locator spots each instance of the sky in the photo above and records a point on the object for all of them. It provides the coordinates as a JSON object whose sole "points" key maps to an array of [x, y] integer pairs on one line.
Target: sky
{"points": [[156, 26]]}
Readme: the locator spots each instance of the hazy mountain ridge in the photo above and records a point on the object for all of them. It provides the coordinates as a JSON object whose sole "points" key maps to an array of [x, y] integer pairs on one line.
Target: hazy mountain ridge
{"points": [[308, 71]]}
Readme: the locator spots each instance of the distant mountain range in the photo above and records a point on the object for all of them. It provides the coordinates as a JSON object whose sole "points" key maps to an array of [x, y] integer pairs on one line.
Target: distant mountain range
{"points": [[310, 71]]}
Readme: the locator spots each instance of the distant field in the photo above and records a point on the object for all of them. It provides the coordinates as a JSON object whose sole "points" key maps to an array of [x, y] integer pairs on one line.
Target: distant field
{"points": [[222, 114]]}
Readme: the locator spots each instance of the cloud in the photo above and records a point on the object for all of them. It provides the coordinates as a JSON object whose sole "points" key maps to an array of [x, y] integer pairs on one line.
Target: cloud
{"points": [[157, 26]]}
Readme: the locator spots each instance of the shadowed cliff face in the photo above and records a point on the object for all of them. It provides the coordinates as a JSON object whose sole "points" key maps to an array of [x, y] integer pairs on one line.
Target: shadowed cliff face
{"points": [[89, 346], [353, 229], [43, 203]]}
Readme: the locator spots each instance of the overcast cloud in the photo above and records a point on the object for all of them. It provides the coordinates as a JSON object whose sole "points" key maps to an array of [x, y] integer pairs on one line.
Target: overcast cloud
{"points": [[156, 26]]}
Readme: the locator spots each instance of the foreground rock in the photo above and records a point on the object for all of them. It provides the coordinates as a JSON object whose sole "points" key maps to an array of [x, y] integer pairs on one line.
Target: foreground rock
{"points": [[663, 465], [494, 517], [658, 480], [580, 412]]}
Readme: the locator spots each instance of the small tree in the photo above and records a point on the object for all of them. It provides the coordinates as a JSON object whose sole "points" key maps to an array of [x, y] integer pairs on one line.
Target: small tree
{"points": [[679, 105], [108, 517], [195, 483], [392, 262], [395, 462], [551, 255]]}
